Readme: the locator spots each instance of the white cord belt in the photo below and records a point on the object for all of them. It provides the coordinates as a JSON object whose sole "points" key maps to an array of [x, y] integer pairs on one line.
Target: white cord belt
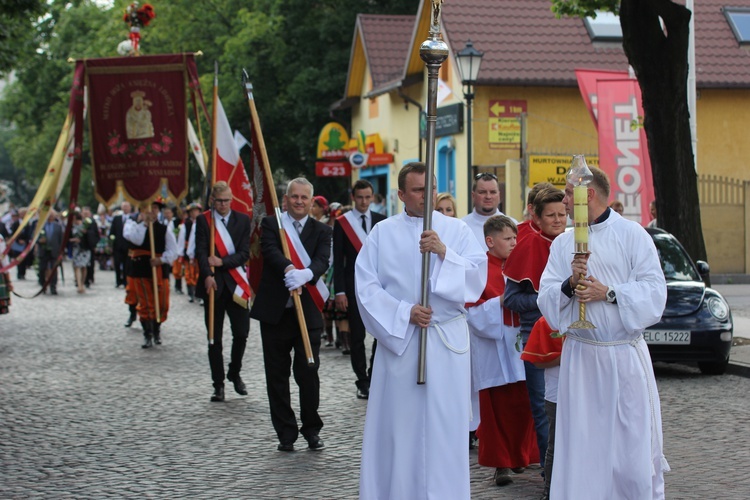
{"points": [[644, 366], [441, 333]]}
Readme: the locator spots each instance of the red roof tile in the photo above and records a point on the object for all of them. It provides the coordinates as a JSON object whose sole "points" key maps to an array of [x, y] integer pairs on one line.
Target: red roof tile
{"points": [[524, 44], [386, 43]]}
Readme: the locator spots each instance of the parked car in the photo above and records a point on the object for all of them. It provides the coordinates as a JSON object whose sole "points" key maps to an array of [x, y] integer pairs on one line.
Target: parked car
{"points": [[696, 325]]}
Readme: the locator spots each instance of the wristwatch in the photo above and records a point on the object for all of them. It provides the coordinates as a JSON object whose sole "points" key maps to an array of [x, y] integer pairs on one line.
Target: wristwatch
{"points": [[611, 296]]}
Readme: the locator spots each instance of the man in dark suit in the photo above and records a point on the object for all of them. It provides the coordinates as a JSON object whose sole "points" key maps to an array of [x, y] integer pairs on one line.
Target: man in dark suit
{"points": [[274, 308], [49, 246], [92, 238], [119, 244], [232, 249], [349, 235]]}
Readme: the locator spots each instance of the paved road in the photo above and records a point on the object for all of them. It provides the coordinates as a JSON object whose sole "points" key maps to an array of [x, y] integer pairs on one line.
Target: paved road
{"points": [[86, 413]]}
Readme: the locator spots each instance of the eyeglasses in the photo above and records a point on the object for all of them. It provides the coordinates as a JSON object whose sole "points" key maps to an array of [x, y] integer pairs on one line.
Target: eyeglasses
{"points": [[485, 175], [217, 200]]}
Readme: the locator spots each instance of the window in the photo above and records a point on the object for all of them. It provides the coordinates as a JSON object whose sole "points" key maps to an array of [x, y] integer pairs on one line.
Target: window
{"points": [[739, 20], [605, 27]]}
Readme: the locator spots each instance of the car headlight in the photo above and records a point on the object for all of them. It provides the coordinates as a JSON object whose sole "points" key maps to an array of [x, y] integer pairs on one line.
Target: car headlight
{"points": [[718, 308]]}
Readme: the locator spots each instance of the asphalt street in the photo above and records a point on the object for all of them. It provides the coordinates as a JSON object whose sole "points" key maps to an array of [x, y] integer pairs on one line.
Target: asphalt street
{"points": [[86, 413]]}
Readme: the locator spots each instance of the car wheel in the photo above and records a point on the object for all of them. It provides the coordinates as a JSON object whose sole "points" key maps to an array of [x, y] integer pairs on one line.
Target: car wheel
{"points": [[711, 368]]}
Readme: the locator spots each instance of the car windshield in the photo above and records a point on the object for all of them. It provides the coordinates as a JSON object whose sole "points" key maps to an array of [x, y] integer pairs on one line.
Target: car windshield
{"points": [[675, 263]]}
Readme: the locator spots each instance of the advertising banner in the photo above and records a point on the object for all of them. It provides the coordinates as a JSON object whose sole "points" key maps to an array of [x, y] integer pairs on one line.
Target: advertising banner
{"points": [[138, 122], [623, 151], [587, 79]]}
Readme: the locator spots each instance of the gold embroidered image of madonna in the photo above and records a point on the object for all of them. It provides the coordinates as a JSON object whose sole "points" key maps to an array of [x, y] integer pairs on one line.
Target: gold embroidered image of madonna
{"points": [[138, 123]]}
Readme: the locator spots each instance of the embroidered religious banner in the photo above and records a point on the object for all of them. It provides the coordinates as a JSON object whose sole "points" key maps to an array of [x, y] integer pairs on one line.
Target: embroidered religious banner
{"points": [[138, 125]]}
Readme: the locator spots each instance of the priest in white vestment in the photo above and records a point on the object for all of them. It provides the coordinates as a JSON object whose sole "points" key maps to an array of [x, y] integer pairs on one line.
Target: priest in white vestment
{"points": [[416, 436], [608, 434]]}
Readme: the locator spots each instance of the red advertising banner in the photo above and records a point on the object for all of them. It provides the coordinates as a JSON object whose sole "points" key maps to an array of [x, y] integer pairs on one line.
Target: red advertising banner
{"points": [[587, 79], [623, 150], [138, 120]]}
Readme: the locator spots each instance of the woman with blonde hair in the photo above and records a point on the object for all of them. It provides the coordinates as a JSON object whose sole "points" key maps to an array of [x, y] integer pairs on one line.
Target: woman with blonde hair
{"points": [[446, 204]]}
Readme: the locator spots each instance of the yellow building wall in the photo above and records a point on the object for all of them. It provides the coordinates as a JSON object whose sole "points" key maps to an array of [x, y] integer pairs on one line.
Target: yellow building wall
{"points": [[398, 126], [723, 138], [557, 122]]}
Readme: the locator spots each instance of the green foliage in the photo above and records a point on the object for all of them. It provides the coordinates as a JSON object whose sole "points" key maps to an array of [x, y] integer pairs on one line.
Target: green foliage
{"points": [[295, 51], [16, 19], [583, 8]]}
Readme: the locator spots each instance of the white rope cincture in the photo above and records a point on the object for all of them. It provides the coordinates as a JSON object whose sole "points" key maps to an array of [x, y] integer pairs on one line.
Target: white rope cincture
{"points": [[644, 366], [441, 333]]}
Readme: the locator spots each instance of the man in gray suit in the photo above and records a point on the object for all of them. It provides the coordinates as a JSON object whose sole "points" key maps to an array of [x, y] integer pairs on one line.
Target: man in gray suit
{"points": [[49, 247]]}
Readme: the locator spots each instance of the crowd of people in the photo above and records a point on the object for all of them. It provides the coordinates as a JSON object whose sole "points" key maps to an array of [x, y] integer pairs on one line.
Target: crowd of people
{"points": [[506, 371]]}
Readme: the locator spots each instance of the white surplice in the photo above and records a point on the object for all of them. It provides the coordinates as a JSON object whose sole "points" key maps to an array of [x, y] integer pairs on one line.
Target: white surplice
{"points": [[495, 361], [476, 222], [608, 437], [416, 436]]}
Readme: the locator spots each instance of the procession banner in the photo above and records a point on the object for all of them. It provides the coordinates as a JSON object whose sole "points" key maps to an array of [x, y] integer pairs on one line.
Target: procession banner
{"points": [[264, 192], [66, 158], [587, 79], [623, 150], [138, 126], [229, 167]]}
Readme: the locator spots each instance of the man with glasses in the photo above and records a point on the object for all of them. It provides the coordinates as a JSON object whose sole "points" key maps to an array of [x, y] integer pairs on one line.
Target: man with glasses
{"points": [[485, 196], [225, 273]]}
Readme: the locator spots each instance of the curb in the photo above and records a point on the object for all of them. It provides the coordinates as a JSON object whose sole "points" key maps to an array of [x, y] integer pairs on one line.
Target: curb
{"points": [[738, 368]]}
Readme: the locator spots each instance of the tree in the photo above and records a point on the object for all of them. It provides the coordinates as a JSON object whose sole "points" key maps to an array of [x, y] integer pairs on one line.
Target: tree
{"points": [[16, 18], [295, 51], [659, 57]]}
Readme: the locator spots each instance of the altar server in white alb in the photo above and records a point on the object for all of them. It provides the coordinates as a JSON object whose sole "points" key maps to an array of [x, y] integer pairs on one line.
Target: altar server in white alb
{"points": [[416, 436], [608, 435]]}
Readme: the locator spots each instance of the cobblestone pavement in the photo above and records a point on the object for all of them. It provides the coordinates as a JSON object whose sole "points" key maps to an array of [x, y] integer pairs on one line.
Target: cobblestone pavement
{"points": [[86, 413]]}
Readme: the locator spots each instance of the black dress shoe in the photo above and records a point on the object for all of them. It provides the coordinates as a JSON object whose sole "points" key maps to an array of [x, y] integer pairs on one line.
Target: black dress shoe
{"points": [[363, 394], [218, 395], [239, 385], [314, 443], [285, 447]]}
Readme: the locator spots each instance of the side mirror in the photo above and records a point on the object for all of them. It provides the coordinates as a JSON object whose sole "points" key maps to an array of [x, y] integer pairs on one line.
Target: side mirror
{"points": [[702, 267]]}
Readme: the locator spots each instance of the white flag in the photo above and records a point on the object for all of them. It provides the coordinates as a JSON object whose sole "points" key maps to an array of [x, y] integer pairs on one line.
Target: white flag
{"points": [[240, 140], [195, 146]]}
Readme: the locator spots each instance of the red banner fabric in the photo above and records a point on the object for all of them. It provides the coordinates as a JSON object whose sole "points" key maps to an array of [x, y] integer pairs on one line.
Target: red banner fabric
{"points": [[623, 150], [229, 167], [587, 79], [264, 196], [138, 120]]}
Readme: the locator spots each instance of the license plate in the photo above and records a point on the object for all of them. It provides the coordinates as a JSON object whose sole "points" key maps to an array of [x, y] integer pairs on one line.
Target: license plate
{"points": [[667, 337]]}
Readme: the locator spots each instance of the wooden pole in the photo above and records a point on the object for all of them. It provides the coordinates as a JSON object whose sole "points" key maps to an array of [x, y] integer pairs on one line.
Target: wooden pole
{"points": [[255, 124], [154, 273], [211, 229]]}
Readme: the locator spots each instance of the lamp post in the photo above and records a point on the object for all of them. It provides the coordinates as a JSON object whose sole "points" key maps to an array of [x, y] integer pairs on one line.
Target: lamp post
{"points": [[469, 59]]}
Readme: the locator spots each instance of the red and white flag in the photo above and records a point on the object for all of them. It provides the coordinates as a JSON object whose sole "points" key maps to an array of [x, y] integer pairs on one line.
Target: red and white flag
{"points": [[264, 194], [229, 167]]}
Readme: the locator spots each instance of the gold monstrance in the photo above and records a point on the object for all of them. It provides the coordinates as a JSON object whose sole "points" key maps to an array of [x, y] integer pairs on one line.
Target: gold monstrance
{"points": [[580, 176]]}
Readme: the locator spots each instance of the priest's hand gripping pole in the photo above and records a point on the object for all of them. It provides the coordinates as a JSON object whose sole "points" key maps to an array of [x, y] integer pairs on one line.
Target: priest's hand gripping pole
{"points": [[433, 52], [260, 144], [580, 176]]}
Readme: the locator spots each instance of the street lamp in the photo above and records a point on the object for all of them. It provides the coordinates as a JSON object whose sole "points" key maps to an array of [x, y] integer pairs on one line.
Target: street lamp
{"points": [[469, 59]]}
